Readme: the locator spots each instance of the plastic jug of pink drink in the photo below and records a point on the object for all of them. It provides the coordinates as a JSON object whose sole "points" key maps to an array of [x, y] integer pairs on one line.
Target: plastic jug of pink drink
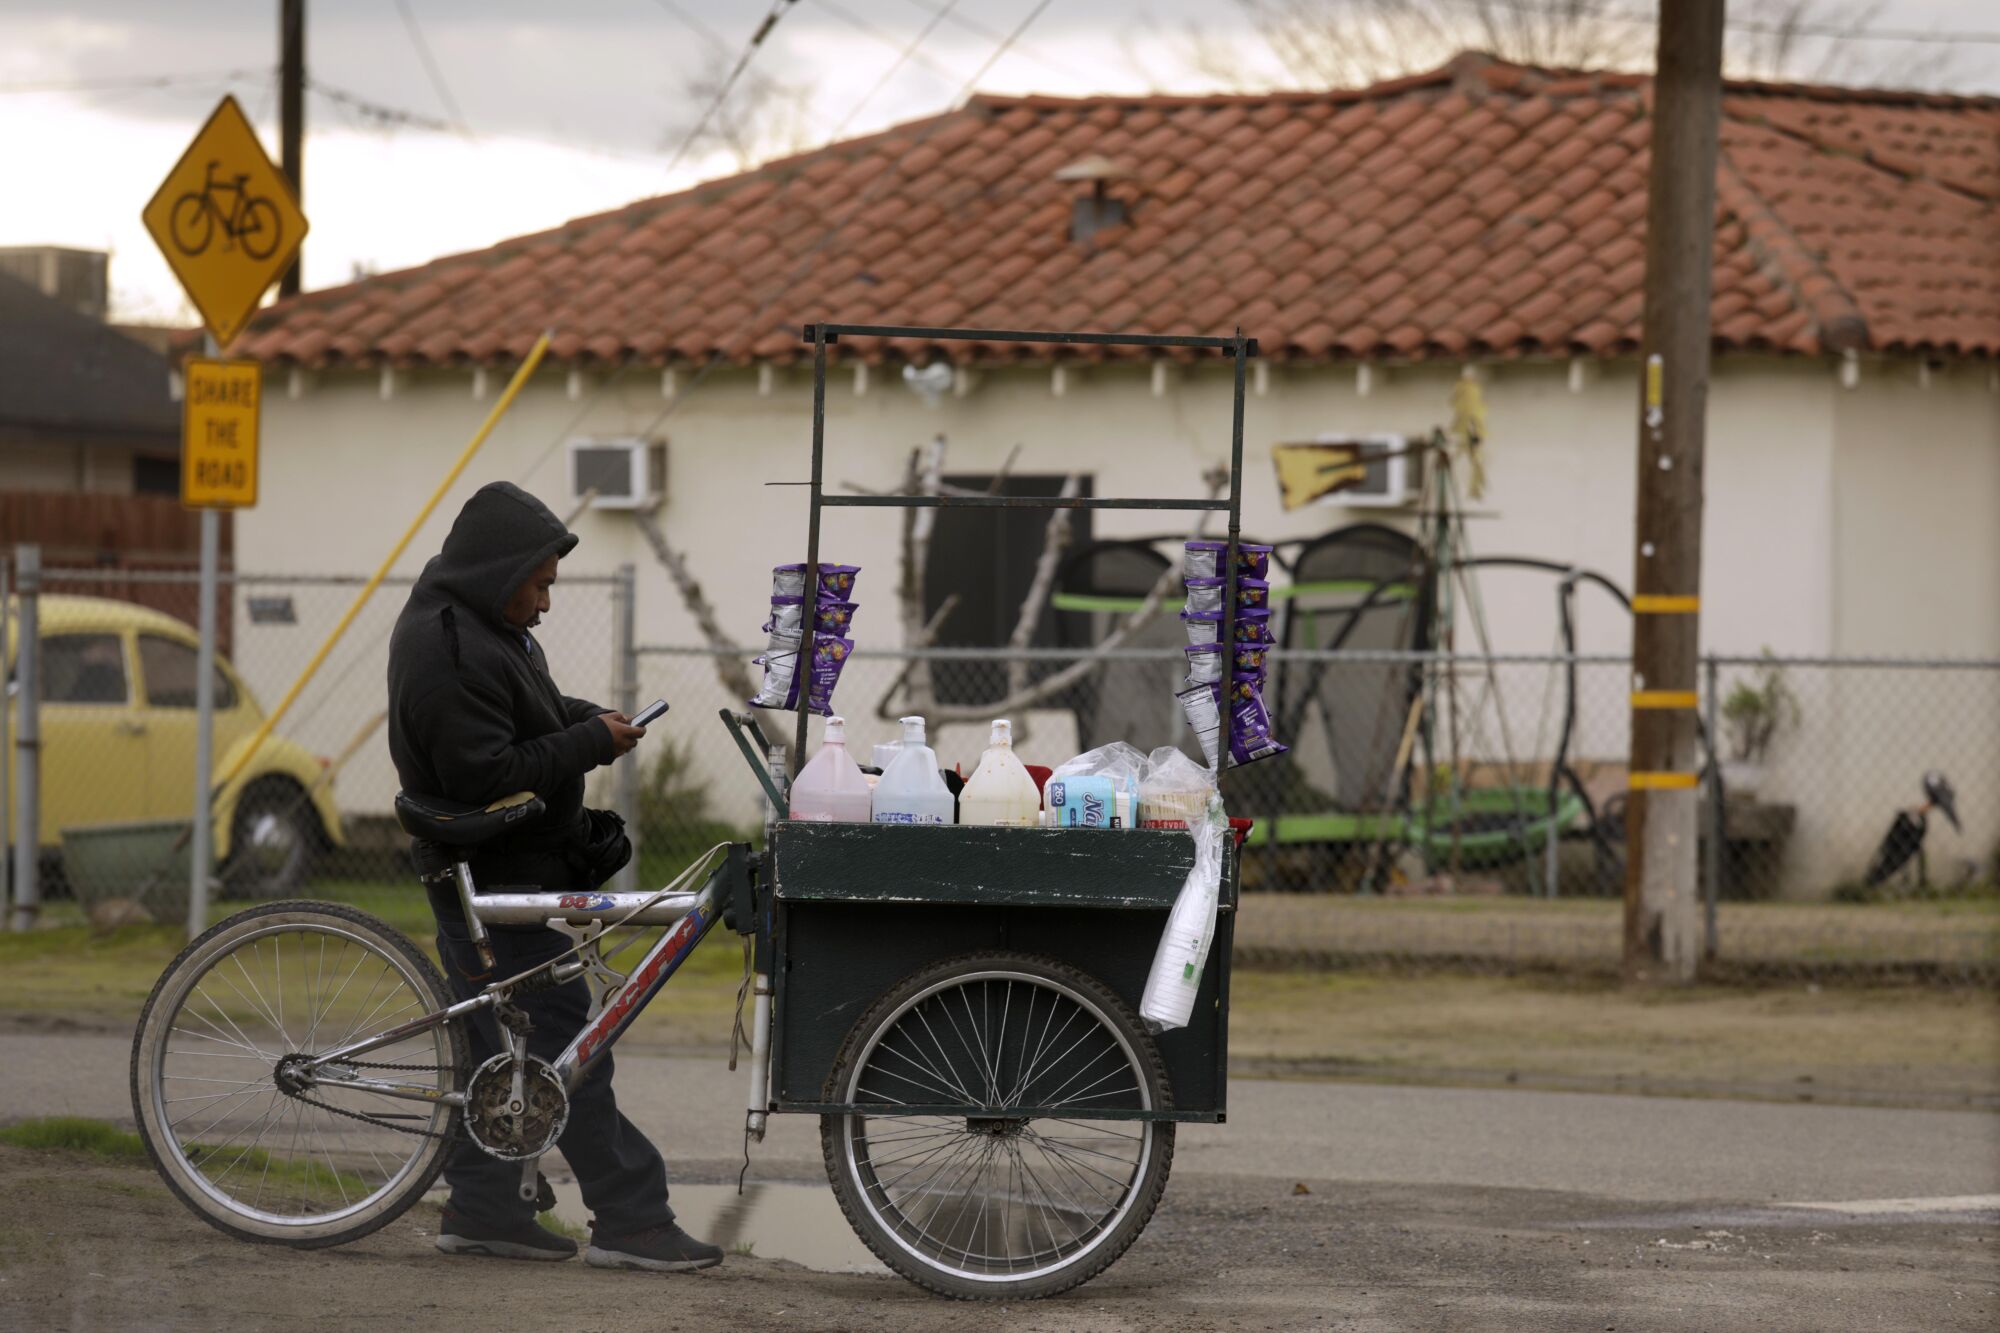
{"points": [[831, 786]]}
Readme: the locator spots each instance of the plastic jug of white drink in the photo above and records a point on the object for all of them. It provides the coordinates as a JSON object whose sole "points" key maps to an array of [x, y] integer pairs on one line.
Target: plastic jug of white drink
{"points": [[911, 790], [831, 786], [1000, 790]]}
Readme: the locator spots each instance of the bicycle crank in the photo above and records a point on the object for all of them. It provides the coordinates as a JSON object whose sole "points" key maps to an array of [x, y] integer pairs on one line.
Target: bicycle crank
{"points": [[515, 1110]]}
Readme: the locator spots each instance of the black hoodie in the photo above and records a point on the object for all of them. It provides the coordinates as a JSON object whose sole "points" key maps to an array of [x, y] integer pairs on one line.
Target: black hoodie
{"points": [[473, 712]]}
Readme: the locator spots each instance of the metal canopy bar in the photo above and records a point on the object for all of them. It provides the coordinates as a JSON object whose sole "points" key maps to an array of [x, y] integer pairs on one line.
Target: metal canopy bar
{"points": [[832, 334], [1014, 502]]}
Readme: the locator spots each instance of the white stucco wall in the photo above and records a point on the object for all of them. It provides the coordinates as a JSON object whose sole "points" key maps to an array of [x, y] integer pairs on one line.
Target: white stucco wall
{"points": [[1793, 560]]}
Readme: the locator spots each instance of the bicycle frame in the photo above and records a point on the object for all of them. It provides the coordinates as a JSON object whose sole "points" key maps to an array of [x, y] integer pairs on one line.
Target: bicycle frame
{"points": [[692, 915]]}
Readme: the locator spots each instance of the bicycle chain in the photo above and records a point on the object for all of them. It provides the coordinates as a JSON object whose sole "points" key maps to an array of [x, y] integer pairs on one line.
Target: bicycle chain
{"points": [[371, 1120]]}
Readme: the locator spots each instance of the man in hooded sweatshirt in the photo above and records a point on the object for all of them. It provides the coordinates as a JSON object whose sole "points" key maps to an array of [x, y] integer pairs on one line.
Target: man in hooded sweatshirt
{"points": [[474, 716]]}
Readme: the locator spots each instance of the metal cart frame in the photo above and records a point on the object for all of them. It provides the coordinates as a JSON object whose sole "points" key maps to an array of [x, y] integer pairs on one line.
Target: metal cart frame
{"points": [[834, 931]]}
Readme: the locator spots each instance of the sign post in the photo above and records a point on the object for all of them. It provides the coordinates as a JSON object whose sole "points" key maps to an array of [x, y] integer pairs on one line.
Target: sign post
{"points": [[229, 225], [222, 406]]}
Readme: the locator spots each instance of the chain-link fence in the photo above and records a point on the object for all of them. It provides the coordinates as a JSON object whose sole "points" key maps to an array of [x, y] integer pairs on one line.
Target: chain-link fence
{"points": [[313, 804], [1431, 808]]}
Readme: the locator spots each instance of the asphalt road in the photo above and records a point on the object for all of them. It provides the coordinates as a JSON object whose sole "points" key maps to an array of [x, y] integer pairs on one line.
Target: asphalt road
{"points": [[1422, 1207]]}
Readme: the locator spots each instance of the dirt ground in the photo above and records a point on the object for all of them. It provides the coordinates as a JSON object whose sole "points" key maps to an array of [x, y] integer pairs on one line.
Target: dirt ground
{"points": [[89, 1245]]}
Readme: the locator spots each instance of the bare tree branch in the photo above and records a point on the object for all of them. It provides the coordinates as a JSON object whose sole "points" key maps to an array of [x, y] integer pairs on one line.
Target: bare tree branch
{"points": [[731, 667], [1055, 540]]}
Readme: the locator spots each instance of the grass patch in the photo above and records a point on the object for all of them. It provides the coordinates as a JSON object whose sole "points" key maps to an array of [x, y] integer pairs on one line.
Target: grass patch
{"points": [[1917, 1040], [576, 1231], [98, 1138], [74, 1133]]}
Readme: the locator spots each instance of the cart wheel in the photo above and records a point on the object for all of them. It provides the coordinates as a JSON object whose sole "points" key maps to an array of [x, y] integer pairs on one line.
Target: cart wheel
{"points": [[999, 1207]]}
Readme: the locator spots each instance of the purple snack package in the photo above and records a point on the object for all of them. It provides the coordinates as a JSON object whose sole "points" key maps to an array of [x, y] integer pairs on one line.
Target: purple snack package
{"points": [[829, 655], [1250, 722], [1204, 594], [1202, 560], [787, 614], [836, 582], [1204, 663], [1252, 561], [1252, 594], [1205, 560], [781, 676], [1250, 658], [1203, 627], [834, 617], [1254, 626]]}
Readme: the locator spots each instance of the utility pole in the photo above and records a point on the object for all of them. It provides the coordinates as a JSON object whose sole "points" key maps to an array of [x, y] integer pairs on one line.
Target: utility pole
{"points": [[1662, 904], [292, 115]]}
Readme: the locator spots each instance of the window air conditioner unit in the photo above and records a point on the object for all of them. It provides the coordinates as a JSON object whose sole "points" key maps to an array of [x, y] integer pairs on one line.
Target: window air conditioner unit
{"points": [[618, 474], [1390, 476]]}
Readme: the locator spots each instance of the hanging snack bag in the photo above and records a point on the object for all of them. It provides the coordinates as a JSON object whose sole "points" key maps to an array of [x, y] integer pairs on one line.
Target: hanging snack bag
{"points": [[834, 618], [781, 675], [1252, 594], [829, 655], [1204, 663], [1206, 594], [1253, 627], [1250, 723], [836, 582]]}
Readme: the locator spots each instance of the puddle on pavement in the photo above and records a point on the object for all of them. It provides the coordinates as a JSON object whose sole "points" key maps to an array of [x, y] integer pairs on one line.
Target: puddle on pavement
{"points": [[802, 1223]]}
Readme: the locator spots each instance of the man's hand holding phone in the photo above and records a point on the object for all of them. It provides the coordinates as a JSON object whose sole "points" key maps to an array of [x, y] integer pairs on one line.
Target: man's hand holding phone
{"points": [[626, 731]]}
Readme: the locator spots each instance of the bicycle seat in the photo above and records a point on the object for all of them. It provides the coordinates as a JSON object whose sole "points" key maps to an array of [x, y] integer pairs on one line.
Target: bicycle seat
{"points": [[461, 825]]}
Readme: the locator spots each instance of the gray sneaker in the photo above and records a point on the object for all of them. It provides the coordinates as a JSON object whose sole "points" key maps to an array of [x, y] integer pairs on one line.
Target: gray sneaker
{"points": [[530, 1240], [661, 1249]]}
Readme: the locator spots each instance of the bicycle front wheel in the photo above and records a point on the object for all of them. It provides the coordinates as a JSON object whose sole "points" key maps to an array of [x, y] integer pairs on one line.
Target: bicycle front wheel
{"points": [[999, 1206], [244, 1142], [260, 231]]}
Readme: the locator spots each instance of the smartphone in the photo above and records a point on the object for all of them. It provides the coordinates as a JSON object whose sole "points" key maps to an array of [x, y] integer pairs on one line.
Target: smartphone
{"points": [[650, 714]]}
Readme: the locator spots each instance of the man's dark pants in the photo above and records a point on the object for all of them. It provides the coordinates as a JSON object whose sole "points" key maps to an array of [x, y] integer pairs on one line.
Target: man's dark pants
{"points": [[624, 1181]]}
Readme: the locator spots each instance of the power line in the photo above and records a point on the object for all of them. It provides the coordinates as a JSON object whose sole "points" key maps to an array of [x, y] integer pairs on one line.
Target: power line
{"points": [[804, 266], [974, 26], [137, 81], [1762, 27], [882, 80], [380, 113], [853, 20], [693, 24], [778, 9], [431, 68]]}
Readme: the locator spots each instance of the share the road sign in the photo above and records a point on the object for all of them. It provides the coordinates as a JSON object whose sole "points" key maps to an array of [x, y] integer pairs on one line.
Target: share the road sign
{"points": [[219, 434], [226, 220]]}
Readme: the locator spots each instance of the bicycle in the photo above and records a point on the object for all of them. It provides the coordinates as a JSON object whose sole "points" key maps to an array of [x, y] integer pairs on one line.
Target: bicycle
{"points": [[252, 221], [996, 1124]]}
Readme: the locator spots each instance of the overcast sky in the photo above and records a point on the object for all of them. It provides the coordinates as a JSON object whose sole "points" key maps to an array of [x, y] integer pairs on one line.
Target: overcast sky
{"points": [[571, 109]]}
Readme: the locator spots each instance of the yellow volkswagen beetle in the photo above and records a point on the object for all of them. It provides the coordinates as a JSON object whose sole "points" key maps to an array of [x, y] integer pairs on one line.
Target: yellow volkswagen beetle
{"points": [[118, 740]]}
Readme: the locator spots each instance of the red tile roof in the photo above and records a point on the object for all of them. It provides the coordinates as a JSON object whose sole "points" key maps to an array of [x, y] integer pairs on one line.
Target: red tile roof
{"points": [[1484, 209]]}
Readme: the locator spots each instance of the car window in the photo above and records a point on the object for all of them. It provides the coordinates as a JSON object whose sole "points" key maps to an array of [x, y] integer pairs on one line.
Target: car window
{"points": [[82, 669], [170, 670]]}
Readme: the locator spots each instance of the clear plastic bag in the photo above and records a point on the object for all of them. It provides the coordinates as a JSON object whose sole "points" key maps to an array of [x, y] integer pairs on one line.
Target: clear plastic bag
{"points": [[1174, 790], [1178, 964], [1097, 789]]}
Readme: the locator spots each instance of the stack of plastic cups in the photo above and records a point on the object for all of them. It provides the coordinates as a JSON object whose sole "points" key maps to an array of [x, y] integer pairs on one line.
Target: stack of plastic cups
{"points": [[1223, 675], [832, 618]]}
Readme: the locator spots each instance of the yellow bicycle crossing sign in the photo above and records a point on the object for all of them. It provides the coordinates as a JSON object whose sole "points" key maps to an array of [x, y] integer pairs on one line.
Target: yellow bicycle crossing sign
{"points": [[226, 220]]}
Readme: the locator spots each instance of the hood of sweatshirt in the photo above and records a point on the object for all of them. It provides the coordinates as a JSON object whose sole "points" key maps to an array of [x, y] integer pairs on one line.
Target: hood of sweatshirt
{"points": [[501, 537]]}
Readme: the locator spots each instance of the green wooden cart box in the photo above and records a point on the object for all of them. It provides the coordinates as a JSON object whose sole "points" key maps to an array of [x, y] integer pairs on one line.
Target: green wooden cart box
{"points": [[860, 906]]}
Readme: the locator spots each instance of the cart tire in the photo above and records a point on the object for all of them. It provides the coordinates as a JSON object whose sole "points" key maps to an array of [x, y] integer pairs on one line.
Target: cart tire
{"points": [[1023, 1207], [251, 1160]]}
